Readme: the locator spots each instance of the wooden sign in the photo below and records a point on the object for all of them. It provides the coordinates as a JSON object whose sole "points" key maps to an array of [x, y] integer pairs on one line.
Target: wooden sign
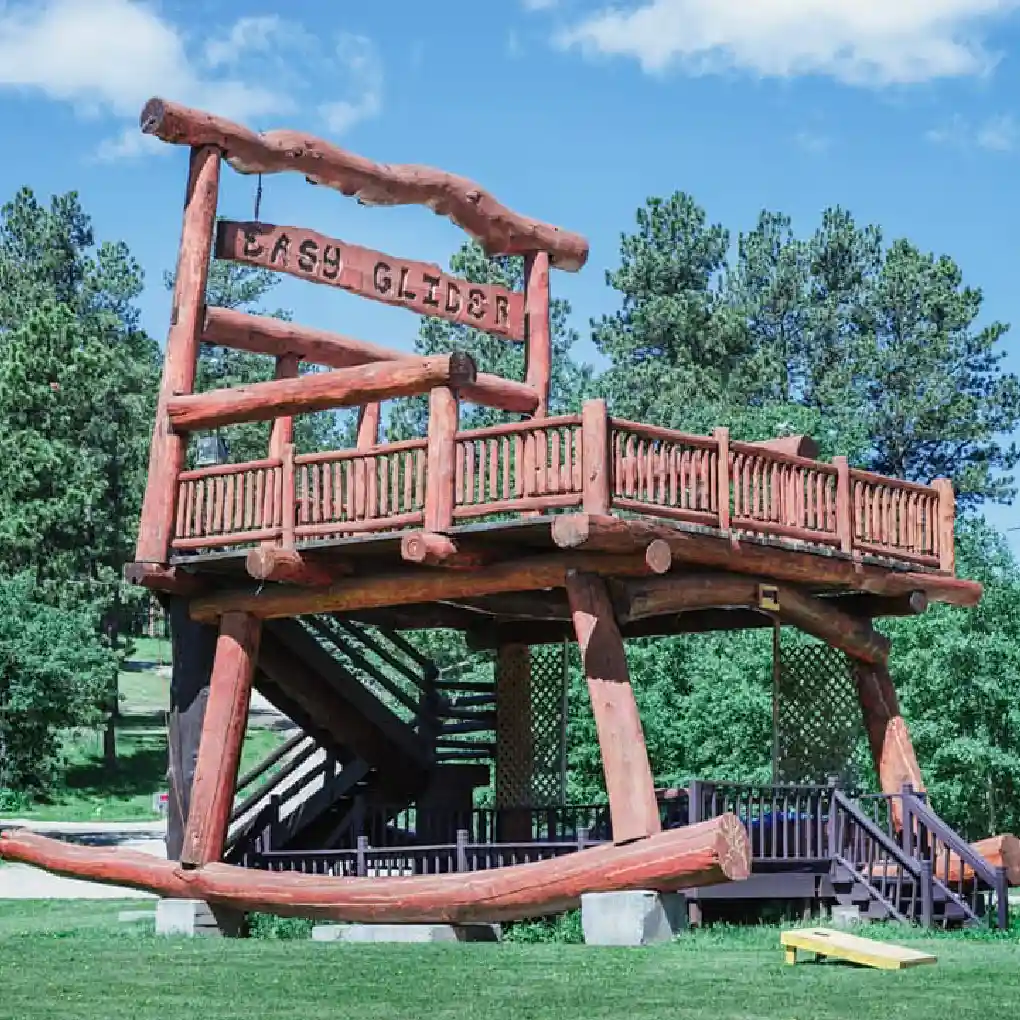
{"points": [[768, 598], [417, 286]]}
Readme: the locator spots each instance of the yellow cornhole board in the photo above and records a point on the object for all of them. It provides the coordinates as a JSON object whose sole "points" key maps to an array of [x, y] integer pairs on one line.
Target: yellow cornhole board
{"points": [[844, 946]]}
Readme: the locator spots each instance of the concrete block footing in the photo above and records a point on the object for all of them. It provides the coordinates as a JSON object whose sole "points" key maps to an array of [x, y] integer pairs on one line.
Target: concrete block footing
{"points": [[637, 918], [406, 933], [191, 918]]}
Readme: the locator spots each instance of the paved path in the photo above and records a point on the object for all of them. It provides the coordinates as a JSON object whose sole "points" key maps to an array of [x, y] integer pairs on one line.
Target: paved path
{"points": [[23, 882]]}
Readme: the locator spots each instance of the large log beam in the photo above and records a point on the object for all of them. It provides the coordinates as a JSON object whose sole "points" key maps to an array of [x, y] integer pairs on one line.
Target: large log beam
{"points": [[680, 593], [629, 785], [411, 587], [499, 230], [289, 566], [430, 549], [219, 753], [603, 533], [167, 451], [892, 750], [259, 334], [322, 391], [155, 577], [708, 853]]}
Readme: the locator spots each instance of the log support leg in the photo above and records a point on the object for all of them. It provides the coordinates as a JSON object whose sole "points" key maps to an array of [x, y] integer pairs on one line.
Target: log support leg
{"points": [[194, 647], [219, 753], [891, 747], [629, 784], [514, 751]]}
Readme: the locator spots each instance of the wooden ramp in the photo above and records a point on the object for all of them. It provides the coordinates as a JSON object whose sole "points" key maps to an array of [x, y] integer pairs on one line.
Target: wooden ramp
{"points": [[843, 946]]}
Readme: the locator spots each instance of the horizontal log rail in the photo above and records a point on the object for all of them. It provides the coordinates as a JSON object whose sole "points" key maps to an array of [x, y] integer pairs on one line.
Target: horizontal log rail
{"points": [[568, 462]]}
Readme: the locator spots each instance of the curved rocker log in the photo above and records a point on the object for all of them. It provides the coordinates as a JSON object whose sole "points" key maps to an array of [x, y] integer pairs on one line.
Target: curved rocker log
{"points": [[708, 853], [499, 230]]}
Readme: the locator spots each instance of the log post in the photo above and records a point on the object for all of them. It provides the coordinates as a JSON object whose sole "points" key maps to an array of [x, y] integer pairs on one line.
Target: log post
{"points": [[946, 524], [722, 437], [368, 425], [596, 479], [289, 494], [194, 648], [892, 750], [538, 373], [844, 518], [166, 454], [223, 731], [282, 436], [514, 751], [441, 454], [632, 804]]}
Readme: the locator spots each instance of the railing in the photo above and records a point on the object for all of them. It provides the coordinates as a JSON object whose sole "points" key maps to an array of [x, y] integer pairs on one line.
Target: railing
{"points": [[547, 465], [783, 823], [522, 466], [352, 491], [229, 504], [895, 518]]}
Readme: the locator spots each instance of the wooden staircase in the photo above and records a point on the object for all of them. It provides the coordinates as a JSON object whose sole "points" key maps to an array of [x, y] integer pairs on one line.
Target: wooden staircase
{"points": [[374, 719]]}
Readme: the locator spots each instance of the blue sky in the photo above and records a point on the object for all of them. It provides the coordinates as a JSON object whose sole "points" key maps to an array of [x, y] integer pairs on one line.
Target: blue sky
{"points": [[572, 111]]}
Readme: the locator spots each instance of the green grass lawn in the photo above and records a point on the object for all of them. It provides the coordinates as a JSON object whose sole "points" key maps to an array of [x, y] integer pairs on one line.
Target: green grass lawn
{"points": [[74, 960], [95, 792]]}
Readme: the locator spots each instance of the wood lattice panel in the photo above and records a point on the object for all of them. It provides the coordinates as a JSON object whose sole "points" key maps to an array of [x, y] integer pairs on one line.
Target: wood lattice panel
{"points": [[548, 725], [818, 718], [530, 726]]}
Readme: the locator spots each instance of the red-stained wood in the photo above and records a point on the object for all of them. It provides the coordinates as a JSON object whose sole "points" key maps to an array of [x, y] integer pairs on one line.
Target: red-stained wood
{"points": [[290, 566], [680, 593], [219, 752], [595, 458], [260, 334], [432, 550], [167, 450], [415, 586], [707, 853], [722, 437], [659, 556], [322, 391], [419, 287], [601, 533], [892, 750], [999, 851], [844, 509], [368, 426], [498, 229], [539, 336], [280, 439], [629, 785], [172, 580], [444, 416], [946, 524], [790, 446]]}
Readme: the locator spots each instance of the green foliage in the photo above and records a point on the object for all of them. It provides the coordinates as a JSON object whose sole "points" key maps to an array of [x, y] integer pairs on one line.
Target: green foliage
{"points": [[563, 928], [875, 350], [570, 382], [269, 927], [958, 675], [244, 288], [53, 675]]}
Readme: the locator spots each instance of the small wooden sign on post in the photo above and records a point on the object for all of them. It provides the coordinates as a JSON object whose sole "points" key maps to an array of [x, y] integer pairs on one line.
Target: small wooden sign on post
{"points": [[768, 598]]}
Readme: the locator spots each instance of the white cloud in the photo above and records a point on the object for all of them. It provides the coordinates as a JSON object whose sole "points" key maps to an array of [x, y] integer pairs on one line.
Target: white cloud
{"points": [[999, 133], [365, 81], [860, 42], [812, 142], [106, 57]]}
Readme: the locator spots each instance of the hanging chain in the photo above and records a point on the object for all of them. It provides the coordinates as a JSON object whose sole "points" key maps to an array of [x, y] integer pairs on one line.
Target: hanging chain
{"points": [[258, 198]]}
